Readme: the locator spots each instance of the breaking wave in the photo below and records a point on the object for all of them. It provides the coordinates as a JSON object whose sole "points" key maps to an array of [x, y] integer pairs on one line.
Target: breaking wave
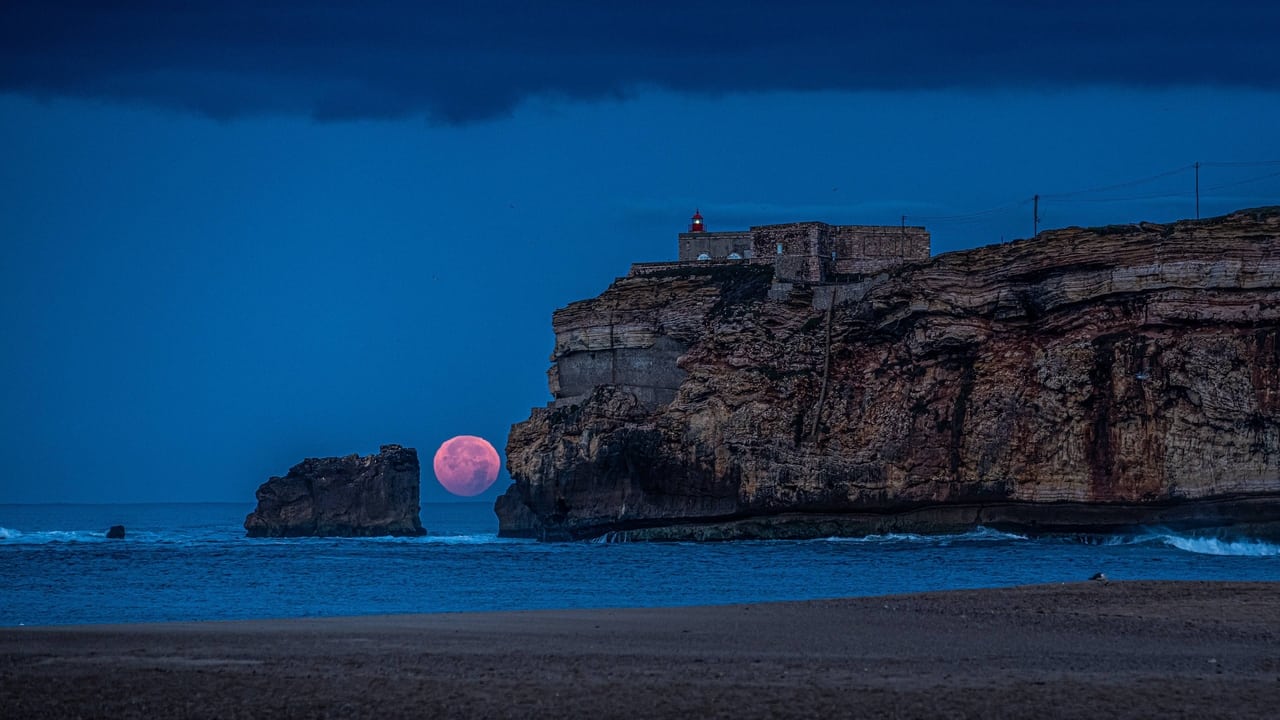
{"points": [[9, 536], [979, 534], [1219, 544], [473, 539]]}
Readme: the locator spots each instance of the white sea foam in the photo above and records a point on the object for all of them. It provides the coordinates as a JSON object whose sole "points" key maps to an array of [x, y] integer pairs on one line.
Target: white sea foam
{"points": [[45, 537], [482, 539], [462, 539], [1199, 544], [1220, 546], [977, 534], [48, 536]]}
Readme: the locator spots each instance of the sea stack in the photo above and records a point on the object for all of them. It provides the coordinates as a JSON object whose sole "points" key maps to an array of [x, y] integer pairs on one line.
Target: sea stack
{"points": [[115, 532], [350, 496], [809, 380]]}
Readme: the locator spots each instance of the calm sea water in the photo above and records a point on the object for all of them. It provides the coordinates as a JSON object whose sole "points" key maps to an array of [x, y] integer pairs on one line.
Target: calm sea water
{"points": [[192, 562]]}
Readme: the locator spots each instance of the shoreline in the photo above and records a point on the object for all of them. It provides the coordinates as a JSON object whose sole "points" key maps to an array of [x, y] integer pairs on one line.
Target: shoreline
{"points": [[1093, 649]]}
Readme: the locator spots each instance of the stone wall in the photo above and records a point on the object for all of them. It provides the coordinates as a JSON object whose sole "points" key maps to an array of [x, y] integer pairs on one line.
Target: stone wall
{"points": [[871, 248], [664, 268], [812, 251], [802, 238], [719, 245]]}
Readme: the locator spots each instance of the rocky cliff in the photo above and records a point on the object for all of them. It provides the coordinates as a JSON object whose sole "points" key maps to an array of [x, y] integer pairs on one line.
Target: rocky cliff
{"points": [[342, 496], [1085, 380]]}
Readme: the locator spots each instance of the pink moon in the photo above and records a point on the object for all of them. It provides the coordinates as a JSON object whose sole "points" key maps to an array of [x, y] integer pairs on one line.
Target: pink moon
{"points": [[466, 465]]}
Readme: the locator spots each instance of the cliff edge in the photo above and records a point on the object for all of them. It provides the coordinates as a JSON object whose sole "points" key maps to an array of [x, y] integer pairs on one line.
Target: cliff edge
{"points": [[342, 496], [1086, 380]]}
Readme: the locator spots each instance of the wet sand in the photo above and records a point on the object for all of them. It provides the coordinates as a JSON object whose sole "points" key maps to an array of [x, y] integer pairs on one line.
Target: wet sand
{"points": [[1088, 650]]}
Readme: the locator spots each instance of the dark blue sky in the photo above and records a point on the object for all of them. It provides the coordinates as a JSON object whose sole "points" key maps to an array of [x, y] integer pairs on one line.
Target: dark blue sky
{"points": [[234, 237]]}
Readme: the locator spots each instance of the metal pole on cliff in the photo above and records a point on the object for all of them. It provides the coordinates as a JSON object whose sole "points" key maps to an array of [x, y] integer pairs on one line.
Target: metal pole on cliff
{"points": [[1035, 217], [1197, 190]]}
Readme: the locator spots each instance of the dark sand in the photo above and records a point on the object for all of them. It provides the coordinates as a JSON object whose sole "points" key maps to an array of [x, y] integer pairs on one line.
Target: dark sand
{"points": [[1091, 650]]}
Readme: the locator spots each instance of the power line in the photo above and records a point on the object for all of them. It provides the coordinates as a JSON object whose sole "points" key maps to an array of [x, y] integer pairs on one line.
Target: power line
{"points": [[1175, 193], [1147, 196], [978, 214], [1246, 181], [1073, 196], [1258, 163], [1117, 186]]}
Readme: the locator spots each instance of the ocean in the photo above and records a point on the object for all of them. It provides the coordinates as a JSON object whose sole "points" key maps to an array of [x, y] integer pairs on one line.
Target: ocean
{"points": [[183, 562]]}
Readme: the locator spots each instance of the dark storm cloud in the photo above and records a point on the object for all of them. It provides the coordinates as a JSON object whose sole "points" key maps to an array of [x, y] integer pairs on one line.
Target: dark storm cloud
{"points": [[464, 61]]}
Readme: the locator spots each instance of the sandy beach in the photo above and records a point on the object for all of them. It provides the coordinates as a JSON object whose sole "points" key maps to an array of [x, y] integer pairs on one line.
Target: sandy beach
{"points": [[1088, 650]]}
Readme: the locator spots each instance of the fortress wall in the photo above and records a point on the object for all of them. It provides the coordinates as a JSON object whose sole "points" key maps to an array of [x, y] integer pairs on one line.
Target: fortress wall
{"points": [[649, 268], [825, 295], [802, 268], [804, 247], [654, 268], [868, 249], [866, 266], [716, 244]]}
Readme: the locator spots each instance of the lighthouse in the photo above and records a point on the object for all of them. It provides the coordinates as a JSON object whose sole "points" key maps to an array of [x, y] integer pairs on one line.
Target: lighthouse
{"points": [[695, 223]]}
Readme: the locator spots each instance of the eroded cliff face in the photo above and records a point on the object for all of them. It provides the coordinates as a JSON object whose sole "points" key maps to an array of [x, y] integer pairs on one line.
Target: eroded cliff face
{"points": [[1086, 380]]}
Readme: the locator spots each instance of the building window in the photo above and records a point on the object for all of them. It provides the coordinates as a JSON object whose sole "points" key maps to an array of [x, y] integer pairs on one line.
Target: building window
{"points": [[734, 256], [703, 256], [779, 248]]}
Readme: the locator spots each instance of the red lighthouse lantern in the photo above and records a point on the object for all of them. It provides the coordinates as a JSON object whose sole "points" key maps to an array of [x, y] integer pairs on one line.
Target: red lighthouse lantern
{"points": [[695, 225]]}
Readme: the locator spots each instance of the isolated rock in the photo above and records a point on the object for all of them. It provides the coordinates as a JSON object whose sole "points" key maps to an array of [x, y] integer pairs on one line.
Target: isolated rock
{"points": [[345, 496], [1088, 380], [115, 532]]}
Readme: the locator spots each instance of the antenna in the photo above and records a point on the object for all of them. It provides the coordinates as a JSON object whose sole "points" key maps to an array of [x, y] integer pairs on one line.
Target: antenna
{"points": [[1035, 217]]}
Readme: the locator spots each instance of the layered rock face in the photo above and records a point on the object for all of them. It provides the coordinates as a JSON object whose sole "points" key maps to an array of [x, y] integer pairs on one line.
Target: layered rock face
{"points": [[344, 496], [1086, 380]]}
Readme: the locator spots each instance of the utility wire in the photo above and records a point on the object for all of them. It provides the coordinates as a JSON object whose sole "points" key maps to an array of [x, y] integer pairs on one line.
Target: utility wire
{"points": [[1246, 181], [980, 215], [964, 216], [1176, 193], [1259, 163], [1117, 186]]}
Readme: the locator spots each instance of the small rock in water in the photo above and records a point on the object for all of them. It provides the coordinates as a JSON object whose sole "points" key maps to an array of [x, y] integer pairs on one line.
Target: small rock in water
{"points": [[1100, 577], [115, 532]]}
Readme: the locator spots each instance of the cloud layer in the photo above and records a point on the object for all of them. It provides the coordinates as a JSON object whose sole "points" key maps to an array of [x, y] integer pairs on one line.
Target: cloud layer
{"points": [[338, 60]]}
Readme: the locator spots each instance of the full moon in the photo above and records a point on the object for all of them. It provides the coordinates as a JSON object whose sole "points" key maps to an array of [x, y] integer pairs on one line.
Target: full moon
{"points": [[466, 465]]}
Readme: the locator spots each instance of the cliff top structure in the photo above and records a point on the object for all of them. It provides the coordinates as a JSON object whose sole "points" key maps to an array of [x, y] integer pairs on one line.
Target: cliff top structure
{"points": [[806, 252]]}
